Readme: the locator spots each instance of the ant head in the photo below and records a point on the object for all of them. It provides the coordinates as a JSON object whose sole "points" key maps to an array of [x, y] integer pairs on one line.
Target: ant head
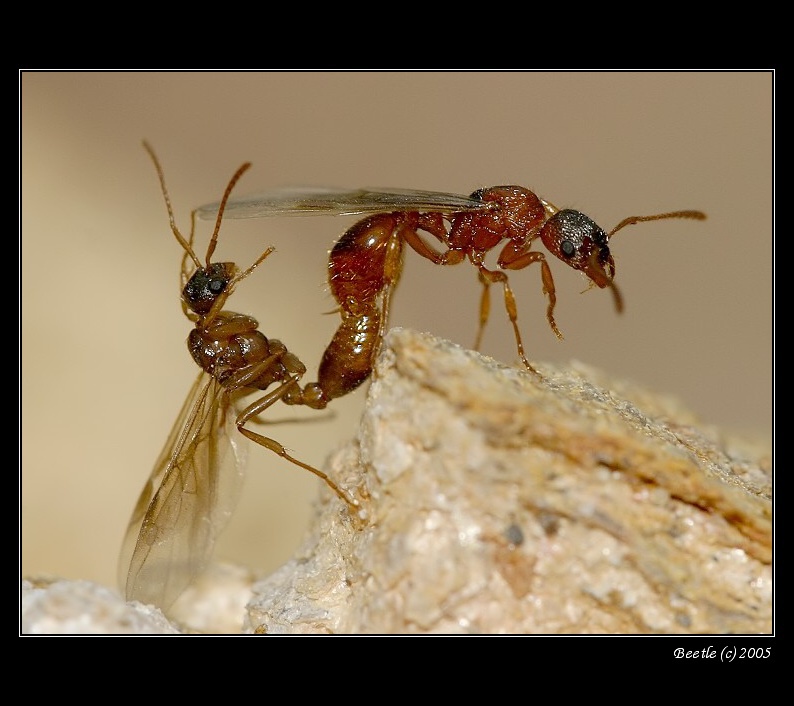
{"points": [[581, 244], [206, 285]]}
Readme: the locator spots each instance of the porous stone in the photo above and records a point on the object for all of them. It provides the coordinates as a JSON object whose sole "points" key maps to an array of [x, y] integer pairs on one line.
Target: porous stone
{"points": [[493, 500]]}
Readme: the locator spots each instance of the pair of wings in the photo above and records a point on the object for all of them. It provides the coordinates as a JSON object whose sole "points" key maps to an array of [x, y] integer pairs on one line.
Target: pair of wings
{"points": [[187, 500]]}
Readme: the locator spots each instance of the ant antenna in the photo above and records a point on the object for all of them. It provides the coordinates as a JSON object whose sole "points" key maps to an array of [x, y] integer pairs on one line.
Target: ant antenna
{"points": [[594, 264], [214, 240], [184, 243], [698, 215]]}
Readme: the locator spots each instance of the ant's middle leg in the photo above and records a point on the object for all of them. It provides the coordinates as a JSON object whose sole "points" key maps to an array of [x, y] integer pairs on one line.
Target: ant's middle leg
{"points": [[485, 309], [488, 277], [511, 259]]}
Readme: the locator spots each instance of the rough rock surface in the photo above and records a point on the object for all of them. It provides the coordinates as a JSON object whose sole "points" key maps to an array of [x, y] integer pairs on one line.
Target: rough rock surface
{"points": [[492, 500], [495, 501], [60, 607]]}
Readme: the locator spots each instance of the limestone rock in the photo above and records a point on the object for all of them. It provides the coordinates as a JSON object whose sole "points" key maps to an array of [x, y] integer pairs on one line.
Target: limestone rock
{"points": [[214, 604], [52, 606], [493, 500]]}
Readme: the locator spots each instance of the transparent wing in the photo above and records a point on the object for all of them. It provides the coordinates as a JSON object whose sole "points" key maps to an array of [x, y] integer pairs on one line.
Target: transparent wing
{"points": [[304, 201], [186, 502]]}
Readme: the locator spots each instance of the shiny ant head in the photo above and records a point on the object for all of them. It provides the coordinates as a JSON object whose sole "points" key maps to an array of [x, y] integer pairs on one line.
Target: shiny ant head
{"points": [[580, 243], [206, 285], [209, 281]]}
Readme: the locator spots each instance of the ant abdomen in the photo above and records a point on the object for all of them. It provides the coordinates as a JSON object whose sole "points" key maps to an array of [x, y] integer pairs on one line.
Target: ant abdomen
{"points": [[348, 359], [357, 262], [362, 268]]}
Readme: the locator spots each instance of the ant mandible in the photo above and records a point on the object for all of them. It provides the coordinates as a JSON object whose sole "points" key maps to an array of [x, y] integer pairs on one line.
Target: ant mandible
{"points": [[364, 265], [193, 487]]}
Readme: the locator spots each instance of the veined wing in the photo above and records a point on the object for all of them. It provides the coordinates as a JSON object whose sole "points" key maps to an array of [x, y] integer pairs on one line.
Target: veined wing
{"points": [[187, 501], [305, 201]]}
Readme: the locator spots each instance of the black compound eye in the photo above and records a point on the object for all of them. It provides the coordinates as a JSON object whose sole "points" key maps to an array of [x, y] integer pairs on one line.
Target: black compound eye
{"points": [[567, 248], [216, 286]]}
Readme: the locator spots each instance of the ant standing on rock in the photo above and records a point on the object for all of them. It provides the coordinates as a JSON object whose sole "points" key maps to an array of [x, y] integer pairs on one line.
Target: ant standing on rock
{"points": [[364, 265]]}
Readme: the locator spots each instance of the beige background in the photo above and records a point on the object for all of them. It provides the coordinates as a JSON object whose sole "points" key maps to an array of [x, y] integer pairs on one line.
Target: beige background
{"points": [[104, 367]]}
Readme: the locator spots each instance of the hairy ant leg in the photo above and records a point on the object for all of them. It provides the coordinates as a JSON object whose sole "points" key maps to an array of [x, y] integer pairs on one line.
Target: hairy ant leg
{"points": [[263, 403], [488, 277]]}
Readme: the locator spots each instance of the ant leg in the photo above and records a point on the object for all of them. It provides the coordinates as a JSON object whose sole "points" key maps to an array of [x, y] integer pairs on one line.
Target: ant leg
{"points": [[526, 259], [392, 269], [393, 262], [244, 377], [259, 406], [485, 309], [420, 245], [489, 277]]}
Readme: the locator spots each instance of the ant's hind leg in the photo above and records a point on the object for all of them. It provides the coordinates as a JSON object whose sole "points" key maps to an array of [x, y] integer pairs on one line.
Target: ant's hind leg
{"points": [[259, 406]]}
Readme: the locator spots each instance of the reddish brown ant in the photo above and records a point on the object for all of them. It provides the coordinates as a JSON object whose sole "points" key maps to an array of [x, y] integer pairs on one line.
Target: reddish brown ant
{"points": [[365, 263], [190, 494]]}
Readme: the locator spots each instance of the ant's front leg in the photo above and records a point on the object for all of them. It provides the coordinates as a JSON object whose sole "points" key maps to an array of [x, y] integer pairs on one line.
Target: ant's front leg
{"points": [[517, 257]]}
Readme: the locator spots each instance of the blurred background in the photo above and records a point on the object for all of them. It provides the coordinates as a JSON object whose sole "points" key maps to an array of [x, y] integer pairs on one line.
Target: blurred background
{"points": [[104, 367]]}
